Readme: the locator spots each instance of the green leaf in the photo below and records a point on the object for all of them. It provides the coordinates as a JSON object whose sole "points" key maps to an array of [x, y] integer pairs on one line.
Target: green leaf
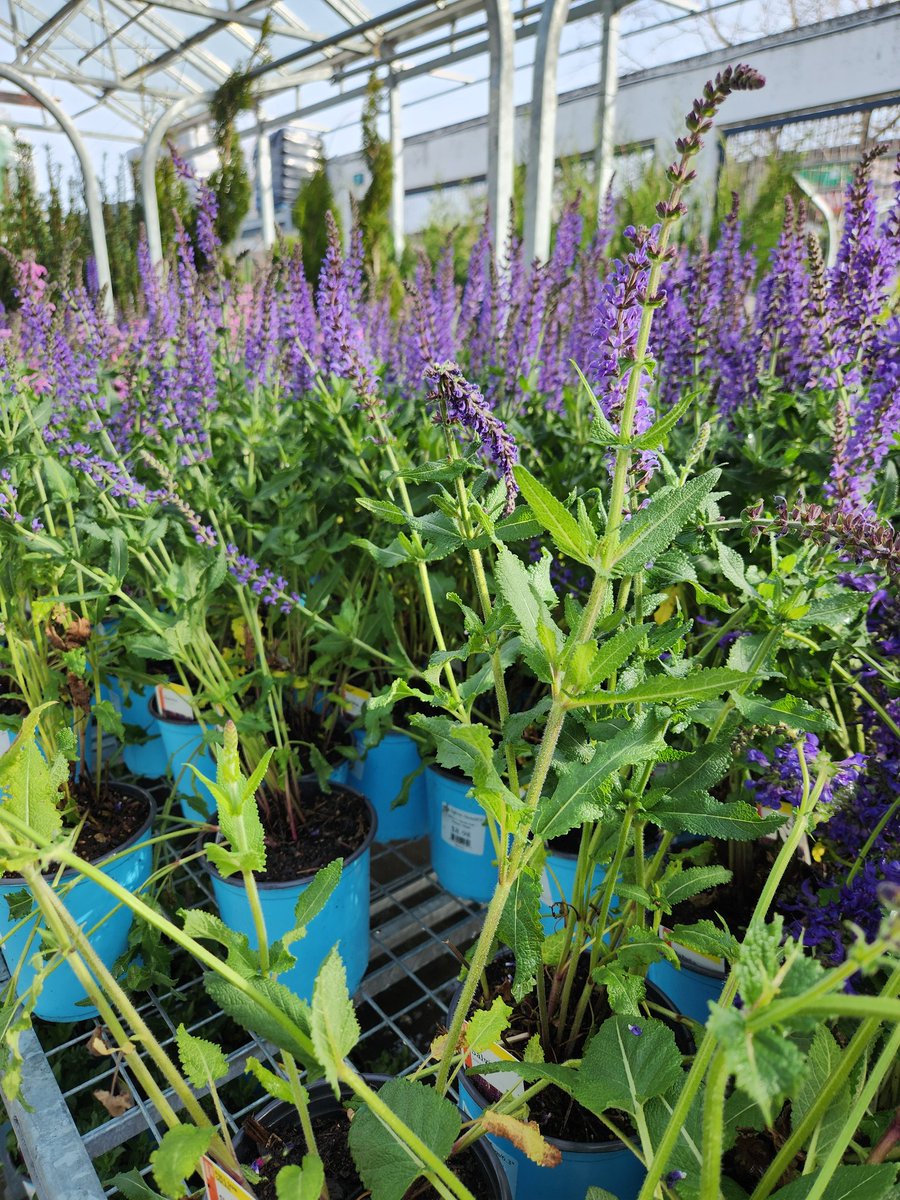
{"points": [[708, 817], [315, 896], [178, 1156], [386, 1166], [765, 1065], [822, 1061], [276, 1085], [557, 520], [486, 1025], [599, 1193], [133, 1186], [864, 1182], [624, 991], [31, 782], [622, 1069], [521, 930], [652, 529], [699, 685], [202, 1061], [384, 509], [577, 797], [290, 1032], [469, 748], [301, 1183], [604, 660], [789, 710], [690, 882], [334, 1027], [732, 567], [527, 591], [108, 718], [660, 430], [208, 927], [699, 771], [706, 938]]}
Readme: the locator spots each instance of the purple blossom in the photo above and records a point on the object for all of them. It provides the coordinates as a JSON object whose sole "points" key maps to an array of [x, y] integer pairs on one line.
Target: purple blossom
{"points": [[635, 1029], [457, 401]]}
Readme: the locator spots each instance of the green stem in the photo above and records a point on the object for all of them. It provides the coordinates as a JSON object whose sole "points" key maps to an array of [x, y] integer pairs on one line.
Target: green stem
{"points": [[713, 1128]]}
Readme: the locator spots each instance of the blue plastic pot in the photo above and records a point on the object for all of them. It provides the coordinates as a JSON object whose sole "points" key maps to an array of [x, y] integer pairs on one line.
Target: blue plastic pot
{"points": [[558, 884], [344, 919], [608, 1165], [692, 988], [380, 773], [183, 743], [147, 759], [89, 904], [462, 853]]}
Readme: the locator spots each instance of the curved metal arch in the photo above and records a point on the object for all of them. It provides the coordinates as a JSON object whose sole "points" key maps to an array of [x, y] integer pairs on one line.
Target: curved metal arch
{"points": [[501, 116], [158, 131], [91, 187], [542, 130]]}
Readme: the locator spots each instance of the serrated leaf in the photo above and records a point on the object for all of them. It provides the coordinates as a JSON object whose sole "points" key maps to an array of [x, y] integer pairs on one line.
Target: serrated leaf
{"points": [[864, 1182], [608, 657], [732, 567], [699, 771], [201, 1060], [301, 1183], [521, 929], [577, 796], [624, 1069], [527, 592], [487, 1025], [691, 881], [822, 1061], [526, 1136], [708, 817], [290, 1033], [385, 1165], [134, 1187], [766, 1065], [660, 430], [652, 529], [314, 897], [706, 938], [31, 782], [178, 1155], [208, 927], [625, 992], [789, 710], [557, 520], [699, 685], [333, 1024]]}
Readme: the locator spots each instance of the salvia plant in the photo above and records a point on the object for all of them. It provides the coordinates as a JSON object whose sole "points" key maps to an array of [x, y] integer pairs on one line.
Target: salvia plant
{"points": [[632, 578]]}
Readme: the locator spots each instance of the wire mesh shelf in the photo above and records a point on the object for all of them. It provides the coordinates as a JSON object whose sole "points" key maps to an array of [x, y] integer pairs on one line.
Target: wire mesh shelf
{"points": [[71, 1145]]}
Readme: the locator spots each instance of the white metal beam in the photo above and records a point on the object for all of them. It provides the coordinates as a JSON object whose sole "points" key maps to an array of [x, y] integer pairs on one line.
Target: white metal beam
{"points": [[541, 162], [501, 117], [398, 191]]}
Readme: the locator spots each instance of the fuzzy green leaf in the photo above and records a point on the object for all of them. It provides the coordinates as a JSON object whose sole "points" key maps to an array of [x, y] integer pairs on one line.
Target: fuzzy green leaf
{"points": [[521, 930], [652, 529], [766, 1066], [691, 881], [178, 1156], [865, 1182], [290, 1032], [604, 660], [314, 897], [660, 430], [789, 710], [386, 1166], [208, 927], [708, 817], [31, 782], [821, 1062], [622, 1069], [666, 689], [301, 1183], [276, 1085], [334, 1027], [486, 1025], [706, 938], [527, 592], [555, 518], [577, 796], [202, 1061]]}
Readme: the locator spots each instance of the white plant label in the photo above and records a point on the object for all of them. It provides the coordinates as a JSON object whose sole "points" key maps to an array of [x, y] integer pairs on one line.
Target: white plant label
{"points": [[354, 699], [220, 1185], [503, 1081], [546, 894], [462, 830], [172, 701]]}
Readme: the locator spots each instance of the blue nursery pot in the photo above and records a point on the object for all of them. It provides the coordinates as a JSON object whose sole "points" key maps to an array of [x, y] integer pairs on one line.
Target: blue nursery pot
{"points": [[584, 1165], [147, 759], [89, 904], [183, 743], [693, 987], [379, 773], [462, 853], [344, 919]]}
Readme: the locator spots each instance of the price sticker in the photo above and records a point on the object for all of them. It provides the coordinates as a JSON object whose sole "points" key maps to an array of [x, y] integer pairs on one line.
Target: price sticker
{"points": [[462, 830], [219, 1184]]}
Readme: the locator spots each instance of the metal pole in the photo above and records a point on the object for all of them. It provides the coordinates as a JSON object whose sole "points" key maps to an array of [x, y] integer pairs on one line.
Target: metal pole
{"points": [[91, 187], [609, 87], [542, 131], [264, 187], [501, 116], [163, 124], [398, 190]]}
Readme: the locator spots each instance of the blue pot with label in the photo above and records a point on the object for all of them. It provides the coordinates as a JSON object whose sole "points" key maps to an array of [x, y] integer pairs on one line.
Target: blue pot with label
{"points": [[692, 988], [462, 852], [343, 921], [91, 906], [380, 774], [183, 743], [558, 886], [147, 759]]}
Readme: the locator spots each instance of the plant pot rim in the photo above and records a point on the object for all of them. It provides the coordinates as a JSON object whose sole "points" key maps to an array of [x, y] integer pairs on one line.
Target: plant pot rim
{"points": [[720, 974], [322, 1088], [136, 837], [451, 773], [565, 1145], [180, 722], [273, 885]]}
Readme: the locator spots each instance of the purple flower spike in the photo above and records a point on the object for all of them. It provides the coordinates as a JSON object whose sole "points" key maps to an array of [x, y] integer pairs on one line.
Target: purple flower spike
{"points": [[460, 402]]}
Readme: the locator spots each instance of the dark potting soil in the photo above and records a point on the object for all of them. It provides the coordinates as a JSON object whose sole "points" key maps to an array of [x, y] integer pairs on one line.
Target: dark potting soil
{"points": [[326, 730], [340, 1172], [328, 827], [555, 1112], [752, 1153], [111, 819]]}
